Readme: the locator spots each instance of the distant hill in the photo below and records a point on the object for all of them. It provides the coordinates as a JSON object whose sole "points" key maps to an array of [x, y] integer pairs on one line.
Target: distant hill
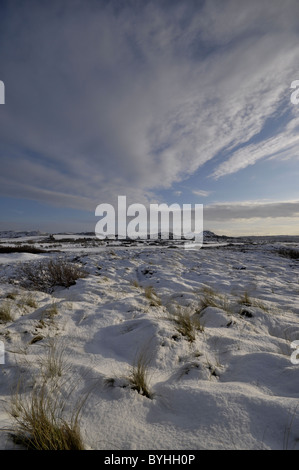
{"points": [[13, 234], [207, 234]]}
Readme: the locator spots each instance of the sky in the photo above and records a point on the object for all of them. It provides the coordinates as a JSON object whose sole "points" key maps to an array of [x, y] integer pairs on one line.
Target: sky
{"points": [[163, 101]]}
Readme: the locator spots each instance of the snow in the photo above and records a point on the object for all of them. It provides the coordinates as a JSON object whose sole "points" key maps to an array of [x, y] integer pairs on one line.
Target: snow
{"points": [[234, 387], [7, 259]]}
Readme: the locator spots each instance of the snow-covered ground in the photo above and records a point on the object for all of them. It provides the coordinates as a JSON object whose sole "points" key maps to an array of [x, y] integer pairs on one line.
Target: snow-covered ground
{"points": [[233, 387]]}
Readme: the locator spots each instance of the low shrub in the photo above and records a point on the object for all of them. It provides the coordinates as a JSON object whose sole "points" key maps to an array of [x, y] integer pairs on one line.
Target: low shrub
{"points": [[47, 275], [287, 252], [22, 249]]}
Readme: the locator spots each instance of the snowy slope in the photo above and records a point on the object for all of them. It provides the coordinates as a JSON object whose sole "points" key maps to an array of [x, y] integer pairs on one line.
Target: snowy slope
{"points": [[233, 387]]}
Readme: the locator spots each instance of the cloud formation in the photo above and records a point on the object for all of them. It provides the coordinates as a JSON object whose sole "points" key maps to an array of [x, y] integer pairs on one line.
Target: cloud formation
{"points": [[103, 99], [227, 211], [201, 192]]}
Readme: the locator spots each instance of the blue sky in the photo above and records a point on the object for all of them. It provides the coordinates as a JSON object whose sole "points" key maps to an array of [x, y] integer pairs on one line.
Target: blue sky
{"points": [[162, 101]]}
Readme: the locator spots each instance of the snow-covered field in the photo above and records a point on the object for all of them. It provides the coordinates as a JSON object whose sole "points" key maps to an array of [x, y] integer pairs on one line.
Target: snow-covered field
{"points": [[233, 385]]}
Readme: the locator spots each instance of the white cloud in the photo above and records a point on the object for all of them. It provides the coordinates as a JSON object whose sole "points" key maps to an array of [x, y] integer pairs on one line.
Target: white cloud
{"points": [[283, 145], [227, 211], [102, 102], [201, 192]]}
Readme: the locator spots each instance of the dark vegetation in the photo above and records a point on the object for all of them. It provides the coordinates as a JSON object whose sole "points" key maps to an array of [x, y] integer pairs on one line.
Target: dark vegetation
{"points": [[46, 275], [291, 253], [22, 249]]}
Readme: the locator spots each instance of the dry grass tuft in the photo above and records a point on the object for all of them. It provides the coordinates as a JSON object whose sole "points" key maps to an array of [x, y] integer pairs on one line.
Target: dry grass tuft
{"points": [[44, 418], [214, 299], [27, 300], [40, 424], [151, 295], [54, 364], [187, 325], [245, 300], [249, 302], [5, 312], [50, 312], [138, 378], [11, 295]]}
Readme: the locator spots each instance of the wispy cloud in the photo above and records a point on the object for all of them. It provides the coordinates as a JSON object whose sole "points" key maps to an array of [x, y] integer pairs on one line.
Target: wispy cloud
{"points": [[283, 145], [103, 99], [226, 211], [201, 192]]}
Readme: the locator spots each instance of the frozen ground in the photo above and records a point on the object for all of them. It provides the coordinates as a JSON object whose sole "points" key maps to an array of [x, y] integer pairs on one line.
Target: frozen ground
{"points": [[233, 387]]}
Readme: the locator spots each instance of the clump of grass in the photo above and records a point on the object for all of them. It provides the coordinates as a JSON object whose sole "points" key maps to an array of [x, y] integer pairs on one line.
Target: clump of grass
{"points": [[41, 324], [151, 295], [54, 363], [213, 299], [25, 301], [209, 291], [51, 312], [245, 299], [207, 301], [249, 302], [41, 419], [31, 302], [11, 295], [40, 422], [47, 317], [138, 378], [5, 312], [187, 325], [135, 283]]}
